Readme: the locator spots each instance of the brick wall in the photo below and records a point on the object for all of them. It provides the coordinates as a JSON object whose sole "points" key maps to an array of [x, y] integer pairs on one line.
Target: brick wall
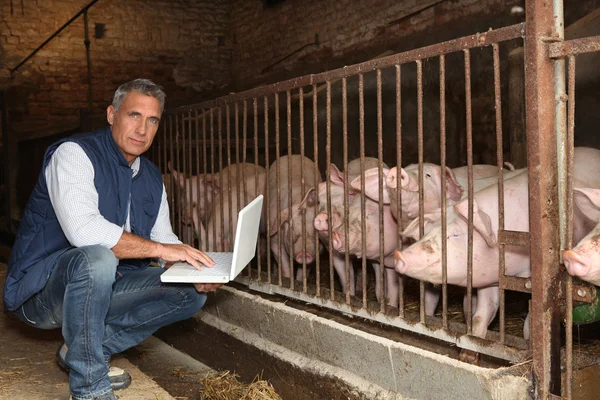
{"points": [[349, 31], [171, 42]]}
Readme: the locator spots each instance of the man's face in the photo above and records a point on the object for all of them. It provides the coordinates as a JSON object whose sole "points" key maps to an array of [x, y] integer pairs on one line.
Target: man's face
{"points": [[135, 125]]}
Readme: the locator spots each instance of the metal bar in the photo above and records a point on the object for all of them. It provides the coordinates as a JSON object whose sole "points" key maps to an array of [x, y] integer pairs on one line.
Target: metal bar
{"points": [[317, 179], [443, 197], [198, 199], [346, 187], [290, 194], [363, 219], [382, 269], [268, 188], [212, 171], [176, 186], [89, 64], [469, 123], [190, 195], [244, 160], [229, 171], [500, 165], [303, 188], [515, 284], [421, 186], [277, 182], [513, 238], [66, 24], [543, 199], [574, 47], [328, 187], [468, 42], [181, 191], [492, 348], [221, 237], [399, 192], [205, 173], [570, 135]]}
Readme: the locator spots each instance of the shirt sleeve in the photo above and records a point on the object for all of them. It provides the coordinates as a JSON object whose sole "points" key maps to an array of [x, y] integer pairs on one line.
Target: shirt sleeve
{"points": [[70, 181], [162, 231]]}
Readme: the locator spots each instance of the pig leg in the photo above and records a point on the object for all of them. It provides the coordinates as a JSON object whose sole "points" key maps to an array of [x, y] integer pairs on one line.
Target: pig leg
{"points": [[339, 263], [488, 300], [527, 327], [281, 254], [378, 287], [473, 304], [432, 297]]}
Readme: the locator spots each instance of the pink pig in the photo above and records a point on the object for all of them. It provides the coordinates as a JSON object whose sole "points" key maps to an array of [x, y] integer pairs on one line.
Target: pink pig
{"points": [[583, 261], [354, 231], [296, 209]]}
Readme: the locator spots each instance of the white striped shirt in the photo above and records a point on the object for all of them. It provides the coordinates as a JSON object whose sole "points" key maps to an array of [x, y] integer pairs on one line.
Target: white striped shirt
{"points": [[70, 181]]}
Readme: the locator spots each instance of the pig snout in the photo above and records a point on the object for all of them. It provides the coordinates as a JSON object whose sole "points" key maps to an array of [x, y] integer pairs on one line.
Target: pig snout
{"points": [[406, 182], [391, 180], [320, 222], [400, 262], [304, 258], [575, 263]]}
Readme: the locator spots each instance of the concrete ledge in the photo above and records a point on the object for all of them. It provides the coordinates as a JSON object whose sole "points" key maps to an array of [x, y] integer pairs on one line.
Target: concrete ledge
{"points": [[377, 367]]}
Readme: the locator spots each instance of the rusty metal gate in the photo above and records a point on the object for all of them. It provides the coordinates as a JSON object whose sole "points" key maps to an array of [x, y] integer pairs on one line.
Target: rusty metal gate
{"points": [[262, 125]]}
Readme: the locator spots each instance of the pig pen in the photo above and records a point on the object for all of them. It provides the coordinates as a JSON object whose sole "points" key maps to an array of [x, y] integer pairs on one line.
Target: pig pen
{"points": [[412, 107]]}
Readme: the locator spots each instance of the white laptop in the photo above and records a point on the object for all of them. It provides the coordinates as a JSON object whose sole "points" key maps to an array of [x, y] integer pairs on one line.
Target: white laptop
{"points": [[227, 265]]}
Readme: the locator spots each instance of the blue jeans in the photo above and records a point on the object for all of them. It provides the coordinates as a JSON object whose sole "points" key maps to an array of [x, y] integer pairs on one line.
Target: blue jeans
{"points": [[104, 308]]}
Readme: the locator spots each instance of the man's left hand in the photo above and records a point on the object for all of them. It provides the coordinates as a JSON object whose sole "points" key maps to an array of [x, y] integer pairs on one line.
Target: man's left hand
{"points": [[207, 287]]}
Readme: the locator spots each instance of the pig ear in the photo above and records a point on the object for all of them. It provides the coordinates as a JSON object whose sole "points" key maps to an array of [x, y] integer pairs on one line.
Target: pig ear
{"points": [[284, 215], [454, 190], [482, 222], [178, 176], [588, 201], [335, 176], [372, 184], [412, 229], [310, 199]]}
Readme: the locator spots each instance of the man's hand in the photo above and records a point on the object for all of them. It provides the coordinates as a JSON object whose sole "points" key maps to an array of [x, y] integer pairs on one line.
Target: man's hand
{"points": [[207, 287], [183, 252]]}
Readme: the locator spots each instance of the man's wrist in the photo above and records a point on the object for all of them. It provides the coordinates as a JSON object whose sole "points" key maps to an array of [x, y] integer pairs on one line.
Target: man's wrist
{"points": [[158, 250]]}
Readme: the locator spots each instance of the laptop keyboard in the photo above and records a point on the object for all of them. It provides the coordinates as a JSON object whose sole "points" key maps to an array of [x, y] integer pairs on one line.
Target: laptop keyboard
{"points": [[222, 265]]}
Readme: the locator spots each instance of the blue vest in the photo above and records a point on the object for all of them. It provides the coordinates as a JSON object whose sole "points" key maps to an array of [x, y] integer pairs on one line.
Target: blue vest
{"points": [[40, 239]]}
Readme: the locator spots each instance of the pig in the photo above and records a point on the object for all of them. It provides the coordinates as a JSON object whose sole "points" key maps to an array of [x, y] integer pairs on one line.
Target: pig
{"points": [[456, 184], [295, 211], [422, 260], [354, 229], [200, 190], [583, 261], [222, 222]]}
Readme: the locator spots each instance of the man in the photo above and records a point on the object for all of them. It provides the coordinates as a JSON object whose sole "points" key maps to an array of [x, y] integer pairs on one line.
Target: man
{"points": [[94, 221]]}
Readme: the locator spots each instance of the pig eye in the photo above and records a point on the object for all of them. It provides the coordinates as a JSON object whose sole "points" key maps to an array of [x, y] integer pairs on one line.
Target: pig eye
{"points": [[428, 175]]}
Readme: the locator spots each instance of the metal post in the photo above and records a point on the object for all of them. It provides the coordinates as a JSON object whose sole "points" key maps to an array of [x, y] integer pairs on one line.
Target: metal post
{"points": [[543, 203], [6, 157]]}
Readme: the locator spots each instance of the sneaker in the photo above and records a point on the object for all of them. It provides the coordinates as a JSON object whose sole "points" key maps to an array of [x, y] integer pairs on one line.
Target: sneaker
{"points": [[119, 378]]}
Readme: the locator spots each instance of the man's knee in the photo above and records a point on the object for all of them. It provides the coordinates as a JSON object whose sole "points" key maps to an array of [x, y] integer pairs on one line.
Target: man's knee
{"points": [[97, 262], [188, 301]]}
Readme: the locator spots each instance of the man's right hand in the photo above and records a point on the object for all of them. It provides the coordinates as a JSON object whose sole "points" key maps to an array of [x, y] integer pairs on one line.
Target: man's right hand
{"points": [[183, 252]]}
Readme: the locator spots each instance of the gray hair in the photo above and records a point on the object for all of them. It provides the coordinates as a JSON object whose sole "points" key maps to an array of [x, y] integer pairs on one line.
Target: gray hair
{"points": [[143, 86]]}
